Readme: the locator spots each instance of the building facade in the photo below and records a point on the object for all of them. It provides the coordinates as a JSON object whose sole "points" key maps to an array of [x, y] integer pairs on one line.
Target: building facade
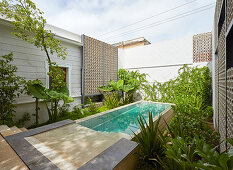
{"points": [[223, 70], [83, 65]]}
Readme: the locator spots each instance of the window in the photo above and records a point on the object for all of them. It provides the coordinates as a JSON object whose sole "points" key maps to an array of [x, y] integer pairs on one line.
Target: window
{"points": [[64, 69]]}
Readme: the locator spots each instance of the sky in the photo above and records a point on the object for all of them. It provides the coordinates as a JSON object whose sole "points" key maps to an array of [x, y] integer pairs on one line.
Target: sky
{"points": [[118, 20]]}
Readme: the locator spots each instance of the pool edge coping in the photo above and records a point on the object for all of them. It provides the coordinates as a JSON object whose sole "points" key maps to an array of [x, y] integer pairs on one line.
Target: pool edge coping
{"points": [[118, 108], [121, 107]]}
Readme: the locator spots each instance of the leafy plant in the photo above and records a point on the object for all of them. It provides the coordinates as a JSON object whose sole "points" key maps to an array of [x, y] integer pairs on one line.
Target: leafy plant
{"points": [[128, 84], [10, 88], [181, 154], [21, 122], [37, 90], [150, 140], [92, 106], [111, 100], [190, 91]]}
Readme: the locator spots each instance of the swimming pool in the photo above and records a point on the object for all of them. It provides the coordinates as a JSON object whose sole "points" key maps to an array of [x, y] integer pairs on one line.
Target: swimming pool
{"points": [[124, 120]]}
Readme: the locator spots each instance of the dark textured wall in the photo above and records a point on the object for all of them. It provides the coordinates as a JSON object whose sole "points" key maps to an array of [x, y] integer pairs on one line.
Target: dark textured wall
{"points": [[223, 32]]}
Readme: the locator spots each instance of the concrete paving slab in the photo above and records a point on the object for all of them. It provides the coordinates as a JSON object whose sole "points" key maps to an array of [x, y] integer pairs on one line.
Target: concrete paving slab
{"points": [[71, 146], [8, 158]]}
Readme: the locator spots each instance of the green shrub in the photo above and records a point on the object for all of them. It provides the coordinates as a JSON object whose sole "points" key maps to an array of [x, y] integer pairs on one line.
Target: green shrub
{"points": [[190, 91], [21, 122], [10, 88], [150, 140], [111, 100], [195, 154], [92, 107]]}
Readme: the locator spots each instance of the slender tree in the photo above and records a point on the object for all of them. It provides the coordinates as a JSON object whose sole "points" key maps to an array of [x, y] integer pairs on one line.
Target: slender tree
{"points": [[29, 25]]}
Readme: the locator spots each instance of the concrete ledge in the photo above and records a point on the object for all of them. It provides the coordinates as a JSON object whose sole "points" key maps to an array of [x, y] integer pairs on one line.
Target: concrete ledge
{"points": [[113, 156], [28, 153], [39, 130]]}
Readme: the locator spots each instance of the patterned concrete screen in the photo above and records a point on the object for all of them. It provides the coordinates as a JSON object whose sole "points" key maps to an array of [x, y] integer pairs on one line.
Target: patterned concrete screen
{"points": [[100, 64], [224, 71], [230, 103], [229, 12], [222, 86], [202, 47]]}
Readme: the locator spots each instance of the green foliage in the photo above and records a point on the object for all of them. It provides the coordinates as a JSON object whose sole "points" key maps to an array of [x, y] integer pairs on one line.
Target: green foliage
{"points": [[150, 140], [181, 154], [102, 108], [128, 84], [21, 122], [10, 88], [190, 91], [53, 96], [195, 154], [111, 100], [29, 25], [57, 76], [36, 89], [92, 106]]}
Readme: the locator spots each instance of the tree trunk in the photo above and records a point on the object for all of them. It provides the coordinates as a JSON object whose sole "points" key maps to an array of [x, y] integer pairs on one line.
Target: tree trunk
{"points": [[37, 112], [55, 110]]}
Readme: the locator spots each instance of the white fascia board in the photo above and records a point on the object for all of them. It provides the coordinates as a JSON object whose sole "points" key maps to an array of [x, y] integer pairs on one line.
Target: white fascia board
{"points": [[65, 35], [60, 33]]}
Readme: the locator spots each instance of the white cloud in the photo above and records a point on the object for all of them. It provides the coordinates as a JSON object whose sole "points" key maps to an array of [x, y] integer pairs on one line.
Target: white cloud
{"points": [[95, 17]]}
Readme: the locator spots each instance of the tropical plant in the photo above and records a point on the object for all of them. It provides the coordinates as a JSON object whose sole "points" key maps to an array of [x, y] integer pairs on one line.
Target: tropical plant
{"points": [[197, 154], [128, 84], [10, 88], [92, 106], [150, 140], [111, 100], [181, 154], [37, 90]]}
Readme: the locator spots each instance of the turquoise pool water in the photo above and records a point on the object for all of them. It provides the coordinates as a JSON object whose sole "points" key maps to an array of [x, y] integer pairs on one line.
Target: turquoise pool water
{"points": [[124, 120]]}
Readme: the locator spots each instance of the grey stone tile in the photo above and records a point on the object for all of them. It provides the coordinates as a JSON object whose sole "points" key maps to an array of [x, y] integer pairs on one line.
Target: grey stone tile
{"points": [[112, 156]]}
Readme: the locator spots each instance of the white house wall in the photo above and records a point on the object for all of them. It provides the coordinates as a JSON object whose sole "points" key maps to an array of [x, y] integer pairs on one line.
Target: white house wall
{"points": [[161, 61], [31, 63]]}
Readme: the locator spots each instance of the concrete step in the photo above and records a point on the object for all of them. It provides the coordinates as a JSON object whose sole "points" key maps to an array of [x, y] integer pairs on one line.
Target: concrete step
{"points": [[3, 128], [10, 131], [23, 129], [8, 158]]}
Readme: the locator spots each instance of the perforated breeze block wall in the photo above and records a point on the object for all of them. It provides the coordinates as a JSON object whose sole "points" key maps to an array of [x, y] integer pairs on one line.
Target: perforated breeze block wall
{"points": [[223, 72], [222, 86], [100, 64], [230, 104], [202, 47]]}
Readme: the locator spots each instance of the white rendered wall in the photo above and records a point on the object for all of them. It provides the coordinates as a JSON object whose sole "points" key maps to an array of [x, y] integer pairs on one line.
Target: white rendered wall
{"points": [[161, 61], [31, 63]]}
